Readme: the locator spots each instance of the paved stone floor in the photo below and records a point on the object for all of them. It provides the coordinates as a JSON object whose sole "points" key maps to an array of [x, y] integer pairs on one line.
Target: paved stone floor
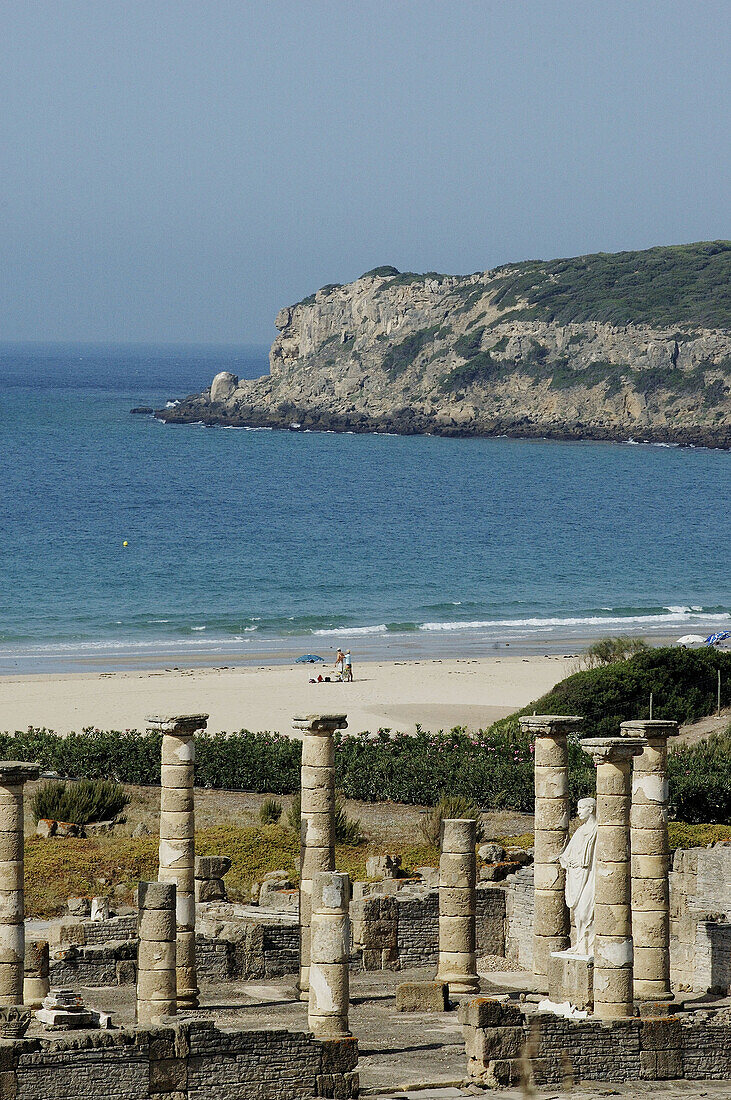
{"points": [[419, 1055]]}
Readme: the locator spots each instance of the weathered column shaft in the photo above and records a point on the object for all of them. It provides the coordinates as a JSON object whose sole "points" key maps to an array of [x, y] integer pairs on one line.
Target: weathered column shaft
{"points": [[36, 982], [457, 900], [551, 923], [13, 776], [650, 860], [613, 954], [177, 839], [156, 953], [317, 822], [329, 993]]}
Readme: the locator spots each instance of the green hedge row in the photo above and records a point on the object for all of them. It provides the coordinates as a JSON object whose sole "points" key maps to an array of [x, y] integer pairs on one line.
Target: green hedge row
{"points": [[494, 769]]}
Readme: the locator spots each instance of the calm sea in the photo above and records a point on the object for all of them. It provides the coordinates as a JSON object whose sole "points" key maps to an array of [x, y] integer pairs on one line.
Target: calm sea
{"points": [[242, 544]]}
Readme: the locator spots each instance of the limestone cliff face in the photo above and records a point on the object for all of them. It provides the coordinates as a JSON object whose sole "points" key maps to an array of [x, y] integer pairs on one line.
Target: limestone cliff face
{"points": [[457, 355]]}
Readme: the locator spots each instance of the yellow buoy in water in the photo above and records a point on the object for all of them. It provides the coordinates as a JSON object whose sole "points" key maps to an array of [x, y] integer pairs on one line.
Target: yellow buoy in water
{"points": [[125, 544]]}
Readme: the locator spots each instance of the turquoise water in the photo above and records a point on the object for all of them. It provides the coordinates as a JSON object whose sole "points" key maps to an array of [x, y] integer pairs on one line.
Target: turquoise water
{"points": [[249, 542]]}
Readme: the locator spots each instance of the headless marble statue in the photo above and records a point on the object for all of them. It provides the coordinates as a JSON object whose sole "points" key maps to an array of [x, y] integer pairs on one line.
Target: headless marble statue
{"points": [[578, 859]]}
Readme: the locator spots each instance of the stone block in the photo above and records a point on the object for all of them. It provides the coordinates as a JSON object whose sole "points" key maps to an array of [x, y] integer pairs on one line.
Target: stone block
{"points": [[456, 869], [218, 866], [456, 902], [458, 835], [157, 924], [552, 813], [168, 1074], [176, 800], [176, 825], [661, 1065], [612, 920], [571, 978], [318, 750], [156, 895], [481, 1012], [11, 847], [551, 782], [422, 997], [490, 1043], [456, 934], [318, 800], [549, 845], [176, 776]]}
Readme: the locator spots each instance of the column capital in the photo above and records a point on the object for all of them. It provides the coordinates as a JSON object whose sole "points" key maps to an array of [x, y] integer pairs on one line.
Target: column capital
{"points": [[14, 772], [613, 750], [320, 723], [182, 725], [550, 725], [649, 728]]}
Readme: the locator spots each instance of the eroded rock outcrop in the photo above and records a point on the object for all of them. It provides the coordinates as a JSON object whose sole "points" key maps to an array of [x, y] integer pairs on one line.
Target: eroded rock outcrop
{"points": [[647, 357]]}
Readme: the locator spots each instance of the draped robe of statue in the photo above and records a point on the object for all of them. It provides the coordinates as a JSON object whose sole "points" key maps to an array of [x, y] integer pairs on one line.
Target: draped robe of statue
{"points": [[578, 860]]}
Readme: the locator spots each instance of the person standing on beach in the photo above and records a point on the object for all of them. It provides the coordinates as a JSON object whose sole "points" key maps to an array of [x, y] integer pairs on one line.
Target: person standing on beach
{"points": [[348, 666], [339, 662]]}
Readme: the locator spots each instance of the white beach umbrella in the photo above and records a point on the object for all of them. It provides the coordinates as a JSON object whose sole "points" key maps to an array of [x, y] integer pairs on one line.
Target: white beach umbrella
{"points": [[691, 639]]}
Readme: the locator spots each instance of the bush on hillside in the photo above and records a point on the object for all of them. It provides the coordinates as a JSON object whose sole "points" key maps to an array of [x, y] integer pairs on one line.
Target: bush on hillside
{"points": [[448, 807], [683, 683], [608, 651], [80, 803]]}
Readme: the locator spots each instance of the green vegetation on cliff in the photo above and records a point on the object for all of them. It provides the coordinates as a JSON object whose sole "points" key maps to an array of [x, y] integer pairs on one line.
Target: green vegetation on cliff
{"points": [[675, 285]]}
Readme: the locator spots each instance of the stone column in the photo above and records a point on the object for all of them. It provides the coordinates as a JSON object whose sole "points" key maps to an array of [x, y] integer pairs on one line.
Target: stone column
{"points": [[650, 860], [457, 877], [13, 775], [613, 995], [317, 823], [156, 953], [327, 1014], [551, 924], [36, 982], [177, 838]]}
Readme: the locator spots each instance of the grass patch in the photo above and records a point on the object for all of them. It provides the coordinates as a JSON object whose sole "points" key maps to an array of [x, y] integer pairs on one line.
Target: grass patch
{"points": [[59, 869]]}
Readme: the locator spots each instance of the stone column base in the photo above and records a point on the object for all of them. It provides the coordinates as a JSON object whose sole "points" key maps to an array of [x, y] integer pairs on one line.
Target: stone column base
{"points": [[571, 978]]}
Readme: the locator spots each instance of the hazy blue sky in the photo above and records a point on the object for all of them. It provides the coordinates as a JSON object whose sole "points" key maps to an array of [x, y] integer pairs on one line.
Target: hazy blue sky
{"points": [[177, 171]]}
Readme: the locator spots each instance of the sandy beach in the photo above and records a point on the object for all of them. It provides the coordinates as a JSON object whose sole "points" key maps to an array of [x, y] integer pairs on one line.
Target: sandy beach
{"points": [[398, 694]]}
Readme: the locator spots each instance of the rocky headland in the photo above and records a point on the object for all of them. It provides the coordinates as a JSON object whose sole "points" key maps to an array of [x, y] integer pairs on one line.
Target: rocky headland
{"points": [[610, 346]]}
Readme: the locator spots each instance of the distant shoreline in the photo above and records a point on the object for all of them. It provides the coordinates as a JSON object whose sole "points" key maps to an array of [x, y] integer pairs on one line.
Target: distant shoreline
{"points": [[193, 410], [278, 652]]}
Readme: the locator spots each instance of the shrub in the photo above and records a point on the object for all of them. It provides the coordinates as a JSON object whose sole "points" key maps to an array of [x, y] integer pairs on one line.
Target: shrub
{"points": [[607, 651], [448, 807], [80, 803], [270, 812], [400, 356], [683, 683], [347, 830], [700, 781]]}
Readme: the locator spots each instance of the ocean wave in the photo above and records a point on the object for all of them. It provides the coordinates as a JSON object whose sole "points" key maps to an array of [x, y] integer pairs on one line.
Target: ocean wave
{"points": [[677, 615], [352, 631]]}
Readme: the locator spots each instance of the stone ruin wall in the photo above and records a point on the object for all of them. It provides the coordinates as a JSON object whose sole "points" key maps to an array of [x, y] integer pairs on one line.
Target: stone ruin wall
{"points": [[505, 1046], [401, 930], [700, 919], [99, 955], [192, 1061]]}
